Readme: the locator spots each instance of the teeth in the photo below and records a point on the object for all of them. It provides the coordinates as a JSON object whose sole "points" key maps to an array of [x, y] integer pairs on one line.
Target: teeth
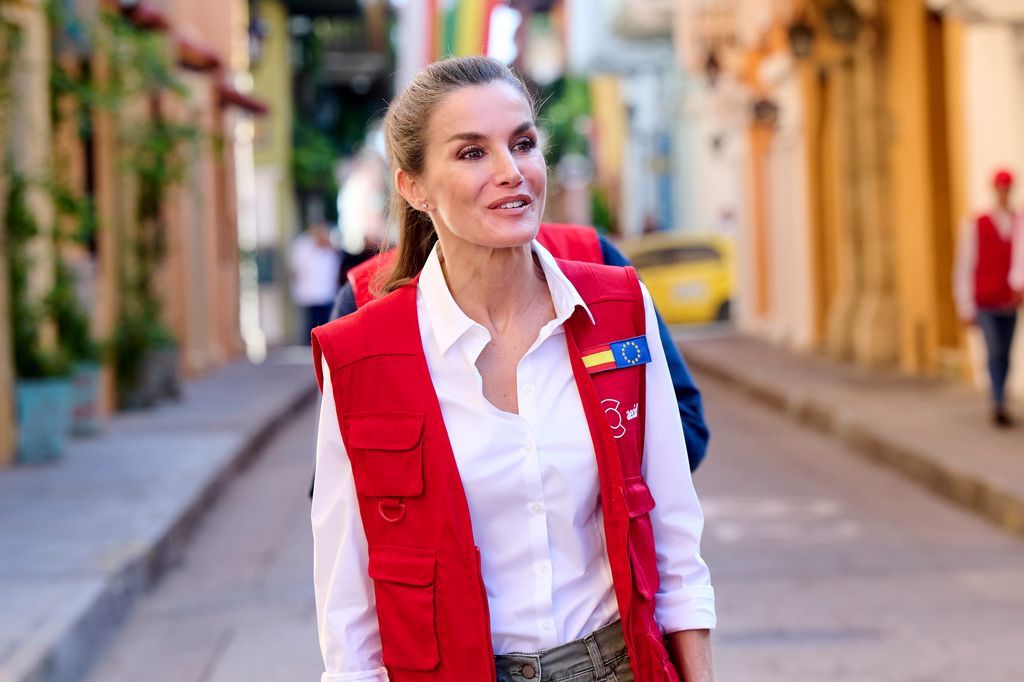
{"points": [[513, 204]]}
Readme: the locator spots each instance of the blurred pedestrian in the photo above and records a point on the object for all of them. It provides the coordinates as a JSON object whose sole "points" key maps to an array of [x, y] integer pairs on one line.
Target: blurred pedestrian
{"points": [[988, 280], [314, 264], [496, 422]]}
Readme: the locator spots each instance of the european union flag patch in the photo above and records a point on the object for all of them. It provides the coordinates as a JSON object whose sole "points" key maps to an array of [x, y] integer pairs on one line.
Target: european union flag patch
{"points": [[616, 355]]}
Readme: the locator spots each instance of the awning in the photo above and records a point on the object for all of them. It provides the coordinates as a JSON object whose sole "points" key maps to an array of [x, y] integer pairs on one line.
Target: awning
{"points": [[230, 96], [147, 17], [194, 55]]}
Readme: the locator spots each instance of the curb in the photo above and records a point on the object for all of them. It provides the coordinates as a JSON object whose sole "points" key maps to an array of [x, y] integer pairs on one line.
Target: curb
{"points": [[984, 497], [99, 616]]}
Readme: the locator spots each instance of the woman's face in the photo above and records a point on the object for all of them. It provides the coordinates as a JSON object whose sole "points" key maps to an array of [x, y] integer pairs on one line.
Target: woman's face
{"points": [[484, 177]]}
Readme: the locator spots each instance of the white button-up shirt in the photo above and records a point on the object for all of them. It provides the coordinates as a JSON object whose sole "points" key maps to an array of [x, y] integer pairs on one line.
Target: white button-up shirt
{"points": [[531, 482]]}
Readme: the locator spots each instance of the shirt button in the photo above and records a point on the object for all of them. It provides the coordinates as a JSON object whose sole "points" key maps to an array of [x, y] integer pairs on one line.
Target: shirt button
{"points": [[537, 509], [527, 389], [547, 624], [544, 567], [529, 446]]}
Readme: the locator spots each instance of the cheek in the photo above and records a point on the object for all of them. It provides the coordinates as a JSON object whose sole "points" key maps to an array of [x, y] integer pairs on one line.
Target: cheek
{"points": [[536, 172]]}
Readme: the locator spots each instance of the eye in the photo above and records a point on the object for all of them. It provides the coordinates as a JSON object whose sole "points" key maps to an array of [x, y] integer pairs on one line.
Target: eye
{"points": [[471, 153], [525, 144]]}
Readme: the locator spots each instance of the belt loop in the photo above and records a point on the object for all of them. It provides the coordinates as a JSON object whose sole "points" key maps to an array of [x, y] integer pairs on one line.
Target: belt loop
{"points": [[601, 671]]}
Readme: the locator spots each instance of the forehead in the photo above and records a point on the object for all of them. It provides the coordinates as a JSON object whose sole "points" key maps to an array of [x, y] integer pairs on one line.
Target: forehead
{"points": [[493, 109]]}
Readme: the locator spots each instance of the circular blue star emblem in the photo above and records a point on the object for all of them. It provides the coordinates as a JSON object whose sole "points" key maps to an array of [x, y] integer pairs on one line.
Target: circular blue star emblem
{"points": [[628, 349]]}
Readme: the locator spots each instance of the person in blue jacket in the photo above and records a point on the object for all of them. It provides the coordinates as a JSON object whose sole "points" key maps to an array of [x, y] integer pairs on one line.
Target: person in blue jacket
{"points": [[691, 411]]}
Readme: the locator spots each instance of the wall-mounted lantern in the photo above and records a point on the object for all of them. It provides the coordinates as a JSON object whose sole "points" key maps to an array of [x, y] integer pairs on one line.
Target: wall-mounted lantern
{"points": [[712, 67], [843, 21], [801, 38], [766, 112]]}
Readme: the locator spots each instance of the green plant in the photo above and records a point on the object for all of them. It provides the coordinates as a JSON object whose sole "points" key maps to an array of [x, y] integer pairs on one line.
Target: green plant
{"points": [[18, 229], [157, 152], [137, 333], [313, 158], [74, 332], [566, 107], [31, 359]]}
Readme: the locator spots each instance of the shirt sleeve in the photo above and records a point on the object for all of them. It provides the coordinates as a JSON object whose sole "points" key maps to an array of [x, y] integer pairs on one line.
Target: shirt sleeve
{"points": [[345, 608], [963, 270], [685, 600]]}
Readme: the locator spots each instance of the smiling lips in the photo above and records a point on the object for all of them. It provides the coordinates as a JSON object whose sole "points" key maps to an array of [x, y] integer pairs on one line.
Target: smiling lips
{"points": [[512, 204]]}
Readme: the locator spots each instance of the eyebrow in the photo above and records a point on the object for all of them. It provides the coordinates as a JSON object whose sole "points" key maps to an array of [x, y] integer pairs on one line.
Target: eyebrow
{"points": [[472, 137]]}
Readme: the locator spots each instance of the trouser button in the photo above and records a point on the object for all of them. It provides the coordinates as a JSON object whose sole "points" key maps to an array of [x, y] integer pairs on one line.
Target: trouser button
{"points": [[529, 672]]}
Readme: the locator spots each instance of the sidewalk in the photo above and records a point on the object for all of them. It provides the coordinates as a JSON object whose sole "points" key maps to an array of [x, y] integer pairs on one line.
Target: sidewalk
{"points": [[936, 433], [81, 540]]}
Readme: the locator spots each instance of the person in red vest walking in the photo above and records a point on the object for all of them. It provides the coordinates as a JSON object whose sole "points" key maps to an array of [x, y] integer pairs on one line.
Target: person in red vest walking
{"points": [[988, 280], [502, 488]]}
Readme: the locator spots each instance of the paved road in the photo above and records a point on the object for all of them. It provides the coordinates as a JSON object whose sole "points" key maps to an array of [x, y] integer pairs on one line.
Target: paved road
{"points": [[240, 607], [827, 569]]}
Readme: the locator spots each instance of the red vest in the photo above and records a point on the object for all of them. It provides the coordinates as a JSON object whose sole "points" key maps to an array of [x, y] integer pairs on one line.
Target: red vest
{"points": [[992, 272], [430, 595], [571, 242]]}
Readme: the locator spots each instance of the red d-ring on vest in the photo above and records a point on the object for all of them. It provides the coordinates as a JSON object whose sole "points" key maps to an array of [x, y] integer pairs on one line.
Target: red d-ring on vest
{"points": [[391, 510]]}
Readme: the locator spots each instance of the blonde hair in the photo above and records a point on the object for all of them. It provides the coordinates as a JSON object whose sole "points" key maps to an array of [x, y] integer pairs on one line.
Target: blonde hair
{"points": [[405, 135]]}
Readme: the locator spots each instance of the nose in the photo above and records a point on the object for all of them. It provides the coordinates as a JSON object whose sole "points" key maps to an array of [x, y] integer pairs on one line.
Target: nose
{"points": [[506, 171]]}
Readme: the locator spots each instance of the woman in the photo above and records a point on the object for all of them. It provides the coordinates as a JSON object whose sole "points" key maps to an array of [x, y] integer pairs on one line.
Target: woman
{"points": [[489, 429]]}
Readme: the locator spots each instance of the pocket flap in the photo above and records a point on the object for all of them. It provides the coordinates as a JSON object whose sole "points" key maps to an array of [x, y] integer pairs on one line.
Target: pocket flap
{"points": [[385, 430], [406, 565], [638, 496]]}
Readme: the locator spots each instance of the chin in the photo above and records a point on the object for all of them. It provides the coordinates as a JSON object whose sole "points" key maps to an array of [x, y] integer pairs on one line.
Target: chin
{"points": [[508, 234]]}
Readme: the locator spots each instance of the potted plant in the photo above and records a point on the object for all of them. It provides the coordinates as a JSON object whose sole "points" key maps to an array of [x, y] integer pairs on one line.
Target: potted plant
{"points": [[78, 345], [43, 386]]}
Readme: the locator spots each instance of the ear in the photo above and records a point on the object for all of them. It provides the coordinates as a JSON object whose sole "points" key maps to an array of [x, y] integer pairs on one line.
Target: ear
{"points": [[410, 187]]}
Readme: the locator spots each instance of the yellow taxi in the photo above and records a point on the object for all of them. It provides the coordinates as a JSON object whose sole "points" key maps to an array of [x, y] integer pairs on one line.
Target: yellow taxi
{"points": [[690, 276]]}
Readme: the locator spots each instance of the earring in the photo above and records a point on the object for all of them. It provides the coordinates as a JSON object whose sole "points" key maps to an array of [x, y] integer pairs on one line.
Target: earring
{"points": [[426, 206]]}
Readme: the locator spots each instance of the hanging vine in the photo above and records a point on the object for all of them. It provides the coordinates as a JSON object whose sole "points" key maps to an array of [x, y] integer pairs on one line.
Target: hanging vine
{"points": [[153, 150], [19, 229], [157, 152]]}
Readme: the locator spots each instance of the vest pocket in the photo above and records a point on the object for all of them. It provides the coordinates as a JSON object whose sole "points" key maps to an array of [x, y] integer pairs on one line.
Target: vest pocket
{"points": [[642, 557], [403, 580], [386, 451]]}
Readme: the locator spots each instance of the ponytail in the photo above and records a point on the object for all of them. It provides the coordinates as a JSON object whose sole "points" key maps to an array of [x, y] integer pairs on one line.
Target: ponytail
{"points": [[417, 237]]}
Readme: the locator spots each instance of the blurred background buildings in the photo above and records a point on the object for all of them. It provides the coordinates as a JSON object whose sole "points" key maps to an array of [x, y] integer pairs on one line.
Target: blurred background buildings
{"points": [[161, 155]]}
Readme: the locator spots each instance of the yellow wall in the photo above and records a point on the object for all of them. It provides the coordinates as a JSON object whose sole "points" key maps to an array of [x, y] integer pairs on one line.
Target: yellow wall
{"points": [[610, 120], [272, 84], [911, 191]]}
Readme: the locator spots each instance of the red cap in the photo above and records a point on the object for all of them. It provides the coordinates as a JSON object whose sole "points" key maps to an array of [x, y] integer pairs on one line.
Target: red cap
{"points": [[1002, 178]]}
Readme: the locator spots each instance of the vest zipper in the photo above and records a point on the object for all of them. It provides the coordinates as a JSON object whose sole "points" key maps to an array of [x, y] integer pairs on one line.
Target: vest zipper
{"points": [[487, 614]]}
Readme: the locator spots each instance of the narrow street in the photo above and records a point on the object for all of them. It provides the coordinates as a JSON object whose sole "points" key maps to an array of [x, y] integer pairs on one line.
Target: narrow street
{"points": [[240, 607], [827, 568]]}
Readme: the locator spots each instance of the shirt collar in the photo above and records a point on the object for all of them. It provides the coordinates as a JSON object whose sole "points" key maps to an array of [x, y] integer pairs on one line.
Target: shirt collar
{"points": [[449, 324]]}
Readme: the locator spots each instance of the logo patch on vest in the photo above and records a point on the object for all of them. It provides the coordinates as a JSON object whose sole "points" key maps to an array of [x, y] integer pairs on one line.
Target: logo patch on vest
{"points": [[611, 409], [616, 355]]}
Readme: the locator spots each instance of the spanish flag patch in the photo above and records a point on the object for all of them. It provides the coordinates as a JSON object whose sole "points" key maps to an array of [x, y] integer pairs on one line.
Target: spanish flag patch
{"points": [[616, 355]]}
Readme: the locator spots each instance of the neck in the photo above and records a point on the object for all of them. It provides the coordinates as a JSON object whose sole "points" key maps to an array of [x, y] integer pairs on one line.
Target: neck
{"points": [[493, 286]]}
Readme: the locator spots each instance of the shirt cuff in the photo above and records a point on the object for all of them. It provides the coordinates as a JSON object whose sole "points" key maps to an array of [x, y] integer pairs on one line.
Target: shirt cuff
{"points": [[692, 608], [378, 675]]}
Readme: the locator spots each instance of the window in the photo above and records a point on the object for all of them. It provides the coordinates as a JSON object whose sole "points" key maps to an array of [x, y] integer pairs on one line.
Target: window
{"points": [[696, 253]]}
